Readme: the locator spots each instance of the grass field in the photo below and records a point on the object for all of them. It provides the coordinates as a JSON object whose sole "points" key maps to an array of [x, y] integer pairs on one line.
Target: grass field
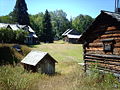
{"points": [[69, 74]]}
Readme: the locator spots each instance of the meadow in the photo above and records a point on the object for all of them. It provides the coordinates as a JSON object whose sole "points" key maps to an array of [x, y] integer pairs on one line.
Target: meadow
{"points": [[69, 74]]}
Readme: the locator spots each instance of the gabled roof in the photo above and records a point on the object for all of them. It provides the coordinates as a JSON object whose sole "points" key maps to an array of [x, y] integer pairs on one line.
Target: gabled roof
{"points": [[104, 18], [34, 57], [113, 14], [17, 27], [25, 27], [14, 27], [3, 25], [30, 29], [70, 31], [65, 33]]}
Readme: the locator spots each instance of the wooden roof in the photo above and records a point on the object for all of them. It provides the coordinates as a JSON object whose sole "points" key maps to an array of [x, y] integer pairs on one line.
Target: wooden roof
{"points": [[105, 18], [34, 57]]}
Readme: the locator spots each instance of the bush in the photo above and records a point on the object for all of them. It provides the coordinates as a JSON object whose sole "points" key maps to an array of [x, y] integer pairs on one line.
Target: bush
{"points": [[11, 36], [9, 55]]}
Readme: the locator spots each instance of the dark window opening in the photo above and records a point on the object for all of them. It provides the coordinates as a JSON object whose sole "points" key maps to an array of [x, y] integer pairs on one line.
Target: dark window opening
{"points": [[108, 45], [108, 48]]}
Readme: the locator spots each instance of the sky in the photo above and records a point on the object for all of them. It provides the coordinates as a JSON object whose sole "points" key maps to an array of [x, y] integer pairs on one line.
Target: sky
{"points": [[72, 7]]}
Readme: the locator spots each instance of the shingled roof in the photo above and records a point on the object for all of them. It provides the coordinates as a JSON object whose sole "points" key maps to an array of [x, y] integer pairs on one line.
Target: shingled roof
{"points": [[104, 18]]}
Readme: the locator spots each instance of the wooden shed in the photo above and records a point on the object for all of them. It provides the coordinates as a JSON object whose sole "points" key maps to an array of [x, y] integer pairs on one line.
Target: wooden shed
{"points": [[37, 61], [101, 42]]}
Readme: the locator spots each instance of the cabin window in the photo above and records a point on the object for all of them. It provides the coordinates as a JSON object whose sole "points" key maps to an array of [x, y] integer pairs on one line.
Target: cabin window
{"points": [[108, 45]]}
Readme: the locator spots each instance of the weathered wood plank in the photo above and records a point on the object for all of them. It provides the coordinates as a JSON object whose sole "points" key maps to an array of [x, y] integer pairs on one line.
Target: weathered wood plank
{"points": [[104, 67], [99, 39], [101, 59], [112, 32], [102, 62], [110, 36], [104, 56], [92, 48]]}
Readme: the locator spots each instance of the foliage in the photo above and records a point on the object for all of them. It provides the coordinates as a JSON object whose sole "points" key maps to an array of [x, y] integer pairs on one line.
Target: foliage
{"points": [[20, 36], [9, 55], [60, 22], [36, 23], [6, 19], [47, 33], [11, 36], [81, 22], [58, 19], [20, 14]]}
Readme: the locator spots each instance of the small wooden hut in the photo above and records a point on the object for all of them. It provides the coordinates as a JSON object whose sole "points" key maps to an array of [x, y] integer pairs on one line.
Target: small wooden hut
{"points": [[101, 42], [37, 61]]}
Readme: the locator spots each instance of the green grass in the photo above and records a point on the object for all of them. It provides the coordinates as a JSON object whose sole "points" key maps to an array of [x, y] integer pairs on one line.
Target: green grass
{"points": [[63, 52]]}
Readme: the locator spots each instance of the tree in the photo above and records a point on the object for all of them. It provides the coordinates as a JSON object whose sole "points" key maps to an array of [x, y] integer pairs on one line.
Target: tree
{"points": [[20, 14], [81, 22], [47, 34], [36, 23], [6, 19], [59, 22], [11, 36]]}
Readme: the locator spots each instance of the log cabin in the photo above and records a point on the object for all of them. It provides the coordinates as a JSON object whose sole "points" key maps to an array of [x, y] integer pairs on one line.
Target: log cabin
{"points": [[101, 42]]}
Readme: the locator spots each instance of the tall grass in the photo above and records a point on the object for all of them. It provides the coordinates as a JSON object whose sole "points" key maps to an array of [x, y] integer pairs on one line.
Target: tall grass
{"points": [[76, 79], [16, 78]]}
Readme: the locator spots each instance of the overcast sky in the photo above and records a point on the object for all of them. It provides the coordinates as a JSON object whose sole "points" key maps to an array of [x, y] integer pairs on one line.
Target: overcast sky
{"points": [[72, 7]]}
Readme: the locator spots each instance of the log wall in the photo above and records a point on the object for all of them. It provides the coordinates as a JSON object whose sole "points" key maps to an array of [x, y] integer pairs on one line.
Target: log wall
{"points": [[95, 48]]}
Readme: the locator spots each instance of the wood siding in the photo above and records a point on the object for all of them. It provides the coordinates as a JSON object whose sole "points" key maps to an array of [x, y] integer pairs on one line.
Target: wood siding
{"points": [[96, 46], [46, 66]]}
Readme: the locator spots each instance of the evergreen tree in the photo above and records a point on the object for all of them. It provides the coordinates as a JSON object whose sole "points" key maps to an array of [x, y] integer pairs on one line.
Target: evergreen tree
{"points": [[47, 34], [20, 14]]}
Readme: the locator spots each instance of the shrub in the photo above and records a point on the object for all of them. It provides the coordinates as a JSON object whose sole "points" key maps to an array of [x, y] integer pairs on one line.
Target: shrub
{"points": [[11, 36], [9, 55]]}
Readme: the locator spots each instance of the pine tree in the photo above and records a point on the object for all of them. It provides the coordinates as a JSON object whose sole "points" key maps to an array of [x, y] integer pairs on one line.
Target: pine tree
{"points": [[20, 14], [47, 34]]}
